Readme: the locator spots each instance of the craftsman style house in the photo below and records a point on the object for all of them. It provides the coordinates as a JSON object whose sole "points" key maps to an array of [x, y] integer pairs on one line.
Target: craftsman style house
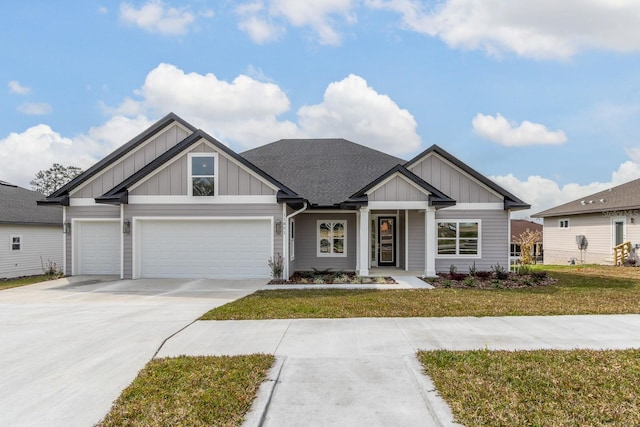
{"points": [[175, 202]]}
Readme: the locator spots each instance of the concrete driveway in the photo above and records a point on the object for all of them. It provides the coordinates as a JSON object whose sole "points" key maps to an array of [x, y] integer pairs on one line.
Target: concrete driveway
{"points": [[69, 347]]}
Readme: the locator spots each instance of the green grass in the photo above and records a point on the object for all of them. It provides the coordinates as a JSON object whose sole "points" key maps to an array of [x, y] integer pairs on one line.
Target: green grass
{"points": [[578, 290], [22, 281], [538, 388], [191, 391]]}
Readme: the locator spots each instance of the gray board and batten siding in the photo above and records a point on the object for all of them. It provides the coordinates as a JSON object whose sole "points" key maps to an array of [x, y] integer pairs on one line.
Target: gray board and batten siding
{"points": [[172, 180], [452, 182], [131, 163], [397, 189]]}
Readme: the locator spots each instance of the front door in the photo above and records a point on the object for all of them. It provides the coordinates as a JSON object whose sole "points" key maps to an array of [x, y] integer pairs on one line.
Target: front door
{"points": [[618, 231], [386, 241]]}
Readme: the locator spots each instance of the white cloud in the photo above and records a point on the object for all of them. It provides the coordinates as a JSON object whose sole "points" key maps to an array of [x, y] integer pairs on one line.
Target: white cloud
{"points": [[541, 29], [247, 110], [35, 108], [17, 88], [353, 110], [244, 111], [37, 148], [498, 129], [156, 17], [544, 193], [103, 10], [265, 21]]}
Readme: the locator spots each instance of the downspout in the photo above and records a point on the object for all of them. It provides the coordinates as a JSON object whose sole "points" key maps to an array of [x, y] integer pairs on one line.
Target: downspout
{"points": [[286, 246]]}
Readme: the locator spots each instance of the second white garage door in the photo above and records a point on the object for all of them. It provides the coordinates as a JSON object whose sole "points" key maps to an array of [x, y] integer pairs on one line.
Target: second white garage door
{"points": [[203, 248]]}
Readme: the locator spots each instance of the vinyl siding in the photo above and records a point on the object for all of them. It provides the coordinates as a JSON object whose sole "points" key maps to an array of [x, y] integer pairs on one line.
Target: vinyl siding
{"points": [[261, 210], [452, 181], [307, 241], [560, 243], [494, 240], [86, 212], [172, 180], [131, 163], [397, 189], [39, 244]]}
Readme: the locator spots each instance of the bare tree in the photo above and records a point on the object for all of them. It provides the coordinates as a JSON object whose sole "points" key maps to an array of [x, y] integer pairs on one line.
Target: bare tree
{"points": [[527, 241], [48, 181]]}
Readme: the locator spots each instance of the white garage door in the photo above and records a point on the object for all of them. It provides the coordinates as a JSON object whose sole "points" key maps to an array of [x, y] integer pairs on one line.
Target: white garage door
{"points": [[97, 247], [204, 248]]}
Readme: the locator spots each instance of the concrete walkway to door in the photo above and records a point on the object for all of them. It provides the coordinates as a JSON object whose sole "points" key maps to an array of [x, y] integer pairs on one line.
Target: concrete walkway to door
{"points": [[363, 371], [68, 347]]}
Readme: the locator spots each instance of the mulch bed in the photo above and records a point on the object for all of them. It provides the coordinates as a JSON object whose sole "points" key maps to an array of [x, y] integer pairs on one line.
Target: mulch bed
{"points": [[489, 280], [338, 278]]}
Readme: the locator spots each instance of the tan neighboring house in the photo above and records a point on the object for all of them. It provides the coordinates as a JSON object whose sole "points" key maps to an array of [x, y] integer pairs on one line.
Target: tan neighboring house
{"points": [[596, 223], [518, 227], [30, 236]]}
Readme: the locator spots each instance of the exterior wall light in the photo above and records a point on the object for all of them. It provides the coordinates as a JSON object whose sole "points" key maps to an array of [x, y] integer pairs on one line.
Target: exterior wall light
{"points": [[126, 227], [278, 227], [66, 228]]}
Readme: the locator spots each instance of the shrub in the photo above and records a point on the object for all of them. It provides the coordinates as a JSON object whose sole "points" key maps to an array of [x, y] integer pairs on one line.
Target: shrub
{"points": [[470, 281], [51, 270], [483, 274], [276, 266], [447, 283], [523, 270], [539, 275], [472, 270], [500, 272]]}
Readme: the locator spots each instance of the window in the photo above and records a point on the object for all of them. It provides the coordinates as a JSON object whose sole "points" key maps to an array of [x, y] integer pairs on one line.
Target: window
{"points": [[202, 178], [332, 238], [459, 238], [292, 240], [515, 250], [564, 223], [16, 243]]}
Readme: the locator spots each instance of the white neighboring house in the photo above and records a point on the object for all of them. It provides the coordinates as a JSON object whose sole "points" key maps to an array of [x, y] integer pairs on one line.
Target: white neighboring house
{"points": [[600, 221], [30, 235]]}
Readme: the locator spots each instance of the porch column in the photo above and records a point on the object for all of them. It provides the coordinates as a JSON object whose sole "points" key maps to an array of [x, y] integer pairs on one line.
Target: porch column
{"points": [[430, 232], [363, 242]]}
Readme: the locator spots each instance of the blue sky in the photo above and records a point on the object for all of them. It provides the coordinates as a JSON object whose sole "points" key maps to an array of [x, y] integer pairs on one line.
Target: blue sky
{"points": [[542, 96]]}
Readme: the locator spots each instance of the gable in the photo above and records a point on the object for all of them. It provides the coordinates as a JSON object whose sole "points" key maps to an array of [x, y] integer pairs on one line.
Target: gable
{"points": [[396, 189], [452, 181], [132, 162], [233, 179]]}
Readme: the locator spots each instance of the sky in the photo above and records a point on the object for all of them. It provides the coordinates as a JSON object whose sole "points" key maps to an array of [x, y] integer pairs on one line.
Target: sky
{"points": [[541, 96]]}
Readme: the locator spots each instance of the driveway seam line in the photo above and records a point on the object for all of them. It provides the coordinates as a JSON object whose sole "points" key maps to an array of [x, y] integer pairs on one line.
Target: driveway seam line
{"points": [[275, 351], [171, 336]]}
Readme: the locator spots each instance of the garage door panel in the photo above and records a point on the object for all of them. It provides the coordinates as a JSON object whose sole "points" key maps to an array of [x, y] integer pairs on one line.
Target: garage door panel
{"points": [[204, 248], [98, 247]]}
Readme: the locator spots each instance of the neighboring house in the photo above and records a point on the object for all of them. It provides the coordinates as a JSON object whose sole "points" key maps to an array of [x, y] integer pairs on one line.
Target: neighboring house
{"points": [[30, 236], [519, 227], [175, 202], [605, 219]]}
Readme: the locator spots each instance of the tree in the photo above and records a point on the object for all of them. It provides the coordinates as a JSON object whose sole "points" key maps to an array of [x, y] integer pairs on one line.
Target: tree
{"points": [[48, 181], [527, 241]]}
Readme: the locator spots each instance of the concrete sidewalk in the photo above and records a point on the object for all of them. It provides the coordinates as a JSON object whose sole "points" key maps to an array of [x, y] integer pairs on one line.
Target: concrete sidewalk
{"points": [[363, 371]]}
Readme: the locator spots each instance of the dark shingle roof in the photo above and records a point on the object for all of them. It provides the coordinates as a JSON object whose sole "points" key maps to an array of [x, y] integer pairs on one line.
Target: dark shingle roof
{"points": [[622, 197], [323, 171], [519, 226], [18, 206]]}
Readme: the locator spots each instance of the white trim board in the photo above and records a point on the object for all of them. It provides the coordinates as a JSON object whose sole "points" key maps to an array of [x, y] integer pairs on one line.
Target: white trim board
{"points": [[195, 200]]}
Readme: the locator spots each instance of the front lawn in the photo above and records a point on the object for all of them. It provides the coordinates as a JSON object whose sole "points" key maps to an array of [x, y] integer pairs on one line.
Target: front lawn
{"points": [[191, 391], [22, 281], [577, 290], [538, 388]]}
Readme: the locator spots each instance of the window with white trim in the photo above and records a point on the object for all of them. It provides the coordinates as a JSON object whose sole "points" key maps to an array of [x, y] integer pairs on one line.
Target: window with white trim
{"points": [[16, 243], [332, 238], [202, 176], [292, 239], [458, 237], [563, 223]]}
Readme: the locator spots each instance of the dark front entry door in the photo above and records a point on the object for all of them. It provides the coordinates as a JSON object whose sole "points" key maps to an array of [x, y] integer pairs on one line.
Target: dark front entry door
{"points": [[386, 241]]}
